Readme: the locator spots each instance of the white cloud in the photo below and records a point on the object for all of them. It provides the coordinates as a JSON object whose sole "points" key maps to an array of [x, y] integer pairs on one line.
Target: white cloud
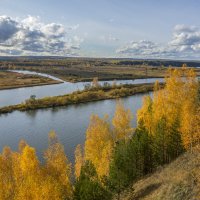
{"points": [[185, 43], [32, 37], [142, 47], [186, 38]]}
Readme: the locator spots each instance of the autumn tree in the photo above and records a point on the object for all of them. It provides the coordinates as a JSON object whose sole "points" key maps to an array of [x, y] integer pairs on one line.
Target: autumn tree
{"points": [[95, 82], [7, 182], [122, 122], [79, 161], [189, 109], [145, 114], [58, 166], [22, 176], [29, 177], [98, 144], [170, 116]]}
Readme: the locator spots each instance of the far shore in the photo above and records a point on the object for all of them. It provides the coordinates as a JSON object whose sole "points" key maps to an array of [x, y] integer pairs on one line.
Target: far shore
{"points": [[78, 80], [31, 85], [13, 80]]}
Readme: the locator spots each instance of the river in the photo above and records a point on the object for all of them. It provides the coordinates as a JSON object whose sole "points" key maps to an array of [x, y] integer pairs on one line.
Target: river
{"points": [[19, 95], [70, 123]]}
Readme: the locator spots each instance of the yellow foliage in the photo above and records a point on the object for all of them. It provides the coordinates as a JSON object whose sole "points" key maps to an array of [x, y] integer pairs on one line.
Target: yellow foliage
{"points": [[28, 160], [122, 122], [57, 164], [98, 144], [177, 101], [145, 113], [6, 175], [78, 160], [22, 176]]}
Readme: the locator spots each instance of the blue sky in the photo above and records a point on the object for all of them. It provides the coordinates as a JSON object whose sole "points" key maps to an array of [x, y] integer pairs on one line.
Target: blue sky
{"points": [[106, 28]]}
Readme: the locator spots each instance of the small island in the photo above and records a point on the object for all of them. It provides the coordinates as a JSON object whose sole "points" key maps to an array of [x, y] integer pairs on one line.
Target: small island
{"points": [[91, 94]]}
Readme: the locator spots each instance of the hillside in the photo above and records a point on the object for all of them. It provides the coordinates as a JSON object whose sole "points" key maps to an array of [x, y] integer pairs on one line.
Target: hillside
{"points": [[178, 180]]}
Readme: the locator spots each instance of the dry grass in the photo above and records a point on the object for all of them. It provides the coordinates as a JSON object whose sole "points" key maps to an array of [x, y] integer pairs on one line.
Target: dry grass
{"points": [[10, 80], [85, 69], [179, 180]]}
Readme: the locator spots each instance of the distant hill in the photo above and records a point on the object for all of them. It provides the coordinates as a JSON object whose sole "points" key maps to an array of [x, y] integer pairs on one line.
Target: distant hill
{"points": [[179, 180]]}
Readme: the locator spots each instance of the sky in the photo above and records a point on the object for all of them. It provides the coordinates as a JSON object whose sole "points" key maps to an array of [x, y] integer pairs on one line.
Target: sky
{"points": [[167, 29]]}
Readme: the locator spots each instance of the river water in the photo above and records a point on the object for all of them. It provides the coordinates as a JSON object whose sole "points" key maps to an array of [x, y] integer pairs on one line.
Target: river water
{"points": [[19, 95], [70, 123]]}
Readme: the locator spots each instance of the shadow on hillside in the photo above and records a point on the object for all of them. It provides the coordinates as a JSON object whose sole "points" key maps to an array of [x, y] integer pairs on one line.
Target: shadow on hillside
{"points": [[146, 191]]}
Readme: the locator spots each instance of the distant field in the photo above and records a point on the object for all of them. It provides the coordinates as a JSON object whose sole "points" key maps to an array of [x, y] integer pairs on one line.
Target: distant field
{"points": [[85, 69], [10, 80]]}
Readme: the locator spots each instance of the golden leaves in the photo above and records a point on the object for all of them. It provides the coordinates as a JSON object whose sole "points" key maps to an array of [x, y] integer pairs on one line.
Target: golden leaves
{"points": [[176, 102], [22, 176]]}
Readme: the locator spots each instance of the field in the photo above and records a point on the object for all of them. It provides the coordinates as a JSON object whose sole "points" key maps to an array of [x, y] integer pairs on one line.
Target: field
{"points": [[10, 80], [85, 69]]}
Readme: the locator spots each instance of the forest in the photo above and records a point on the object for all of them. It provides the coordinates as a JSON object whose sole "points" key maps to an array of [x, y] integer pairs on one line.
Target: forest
{"points": [[115, 154]]}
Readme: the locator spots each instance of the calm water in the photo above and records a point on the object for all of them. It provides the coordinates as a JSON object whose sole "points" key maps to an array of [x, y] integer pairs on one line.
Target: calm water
{"points": [[70, 123], [16, 96]]}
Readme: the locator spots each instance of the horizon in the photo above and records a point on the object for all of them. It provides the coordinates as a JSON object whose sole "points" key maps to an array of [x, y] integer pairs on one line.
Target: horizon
{"points": [[109, 58]]}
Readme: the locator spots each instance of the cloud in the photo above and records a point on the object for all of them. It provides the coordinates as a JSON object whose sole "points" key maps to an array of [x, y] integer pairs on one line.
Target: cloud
{"points": [[186, 38], [32, 37], [8, 28], [109, 38], [142, 47], [185, 43]]}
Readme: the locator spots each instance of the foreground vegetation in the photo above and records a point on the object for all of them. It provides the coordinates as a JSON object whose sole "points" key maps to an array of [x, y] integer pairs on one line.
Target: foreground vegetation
{"points": [[95, 93], [115, 154], [178, 180], [10, 80], [85, 69]]}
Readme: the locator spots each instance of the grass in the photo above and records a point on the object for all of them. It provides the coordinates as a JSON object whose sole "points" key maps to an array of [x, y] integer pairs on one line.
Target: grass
{"points": [[87, 95], [179, 180], [10, 80], [85, 69]]}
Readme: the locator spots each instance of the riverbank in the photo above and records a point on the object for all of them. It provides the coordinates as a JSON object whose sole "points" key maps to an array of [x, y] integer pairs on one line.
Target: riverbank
{"points": [[31, 85], [12, 80], [90, 95], [90, 79]]}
